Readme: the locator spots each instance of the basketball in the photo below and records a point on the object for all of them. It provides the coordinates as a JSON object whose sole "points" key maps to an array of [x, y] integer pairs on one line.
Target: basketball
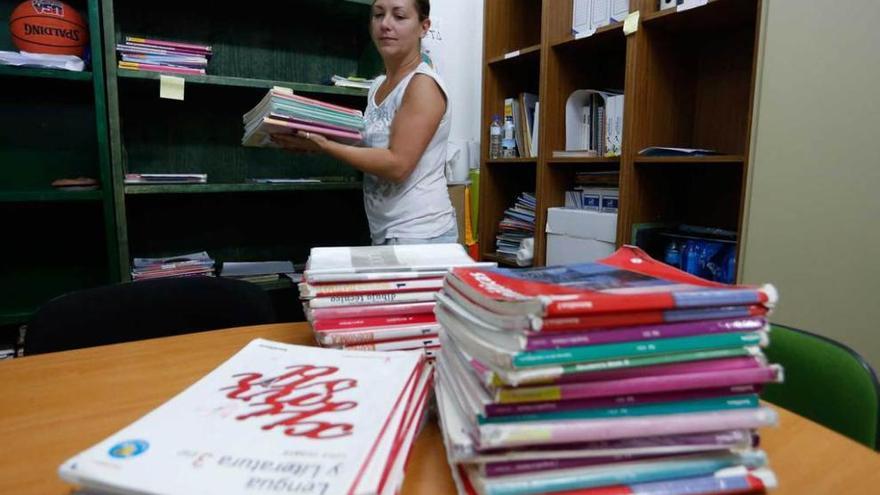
{"points": [[48, 26]]}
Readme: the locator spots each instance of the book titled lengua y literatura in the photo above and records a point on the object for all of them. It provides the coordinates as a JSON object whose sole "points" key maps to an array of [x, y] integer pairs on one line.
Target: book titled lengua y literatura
{"points": [[274, 418]]}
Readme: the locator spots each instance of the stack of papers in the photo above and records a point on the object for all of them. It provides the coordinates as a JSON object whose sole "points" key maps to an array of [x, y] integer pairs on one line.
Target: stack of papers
{"points": [[166, 178], [282, 112], [274, 418], [154, 55], [378, 297], [185, 265], [351, 82], [257, 271], [619, 372], [517, 225], [42, 60]]}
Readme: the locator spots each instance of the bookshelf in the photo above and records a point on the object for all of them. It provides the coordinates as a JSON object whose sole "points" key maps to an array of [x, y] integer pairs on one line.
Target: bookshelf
{"points": [[688, 79], [231, 217], [54, 126]]}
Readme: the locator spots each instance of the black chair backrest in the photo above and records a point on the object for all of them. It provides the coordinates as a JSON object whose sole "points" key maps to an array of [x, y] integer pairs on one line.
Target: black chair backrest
{"points": [[146, 309]]}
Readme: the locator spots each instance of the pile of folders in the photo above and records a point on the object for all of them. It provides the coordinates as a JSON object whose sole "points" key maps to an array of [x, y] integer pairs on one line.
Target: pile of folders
{"points": [[282, 112]]}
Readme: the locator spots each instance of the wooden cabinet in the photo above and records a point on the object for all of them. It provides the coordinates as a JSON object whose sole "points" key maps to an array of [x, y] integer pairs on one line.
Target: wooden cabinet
{"points": [[688, 81]]}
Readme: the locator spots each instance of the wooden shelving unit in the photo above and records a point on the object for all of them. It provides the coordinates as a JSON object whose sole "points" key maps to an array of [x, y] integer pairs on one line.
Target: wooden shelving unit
{"points": [[688, 79]]}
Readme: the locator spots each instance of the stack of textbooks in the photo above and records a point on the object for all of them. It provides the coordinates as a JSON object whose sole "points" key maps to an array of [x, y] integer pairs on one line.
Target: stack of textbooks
{"points": [[378, 297], [517, 224], [274, 418], [282, 112], [624, 373], [185, 265], [154, 55]]}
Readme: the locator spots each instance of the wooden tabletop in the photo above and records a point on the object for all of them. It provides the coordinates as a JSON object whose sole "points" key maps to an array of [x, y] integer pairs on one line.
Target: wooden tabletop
{"points": [[53, 406]]}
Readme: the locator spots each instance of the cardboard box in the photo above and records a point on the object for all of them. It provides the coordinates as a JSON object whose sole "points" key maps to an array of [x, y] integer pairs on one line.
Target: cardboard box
{"points": [[579, 236]]}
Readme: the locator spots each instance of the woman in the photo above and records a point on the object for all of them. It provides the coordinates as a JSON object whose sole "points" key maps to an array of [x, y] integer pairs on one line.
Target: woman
{"points": [[407, 126]]}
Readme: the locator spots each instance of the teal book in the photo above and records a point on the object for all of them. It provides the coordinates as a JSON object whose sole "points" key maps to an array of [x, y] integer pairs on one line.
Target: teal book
{"points": [[637, 348], [675, 407]]}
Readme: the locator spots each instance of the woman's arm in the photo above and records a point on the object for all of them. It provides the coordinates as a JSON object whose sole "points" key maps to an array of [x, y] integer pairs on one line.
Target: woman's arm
{"points": [[413, 128]]}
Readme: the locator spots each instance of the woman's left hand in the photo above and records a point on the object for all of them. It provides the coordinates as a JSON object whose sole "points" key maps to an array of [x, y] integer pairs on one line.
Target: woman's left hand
{"points": [[302, 141]]}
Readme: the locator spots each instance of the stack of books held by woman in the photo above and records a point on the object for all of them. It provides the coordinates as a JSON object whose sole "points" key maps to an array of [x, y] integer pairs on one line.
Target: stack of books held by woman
{"points": [[273, 418], [615, 377], [282, 112], [154, 55], [378, 297]]}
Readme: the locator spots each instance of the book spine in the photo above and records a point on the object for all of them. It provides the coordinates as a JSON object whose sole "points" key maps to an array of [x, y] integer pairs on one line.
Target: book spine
{"points": [[311, 290], [158, 68], [348, 338], [173, 44], [499, 410], [495, 469], [718, 360], [563, 432], [641, 385], [370, 299], [544, 340], [631, 472], [627, 349], [378, 310], [664, 408], [627, 319], [426, 342], [354, 324]]}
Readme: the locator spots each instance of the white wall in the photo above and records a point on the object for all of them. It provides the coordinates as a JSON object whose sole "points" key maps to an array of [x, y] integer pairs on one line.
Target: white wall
{"points": [[461, 27], [813, 219]]}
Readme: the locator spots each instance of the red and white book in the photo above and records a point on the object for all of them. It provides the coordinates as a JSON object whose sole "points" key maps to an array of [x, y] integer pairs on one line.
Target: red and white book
{"points": [[273, 417], [366, 330], [371, 323], [627, 281], [375, 335], [358, 312], [370, 299], [308, 290], [402, 259], [427, 341]]}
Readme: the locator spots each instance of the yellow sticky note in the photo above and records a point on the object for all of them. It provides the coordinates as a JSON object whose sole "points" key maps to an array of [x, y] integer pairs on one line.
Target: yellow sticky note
{"points": [[631, 23], [171, 87]]}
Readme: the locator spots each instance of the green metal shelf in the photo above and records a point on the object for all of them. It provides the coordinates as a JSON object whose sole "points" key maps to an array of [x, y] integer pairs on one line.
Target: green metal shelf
{"points": [[15, 316], [236, 188], [244, 82], [67, 75], [49, 195]]}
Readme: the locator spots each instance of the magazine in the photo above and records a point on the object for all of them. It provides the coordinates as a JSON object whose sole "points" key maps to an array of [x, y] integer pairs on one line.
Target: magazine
{"points": [[274, 417]]}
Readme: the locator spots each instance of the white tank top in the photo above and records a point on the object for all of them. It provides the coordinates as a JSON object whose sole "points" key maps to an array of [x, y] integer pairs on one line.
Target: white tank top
{"points": [[419, 207]]}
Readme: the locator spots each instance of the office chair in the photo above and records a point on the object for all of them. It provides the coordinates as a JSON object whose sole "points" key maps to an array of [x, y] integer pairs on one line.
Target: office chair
{"points": [[826, 382], [146, 309]]}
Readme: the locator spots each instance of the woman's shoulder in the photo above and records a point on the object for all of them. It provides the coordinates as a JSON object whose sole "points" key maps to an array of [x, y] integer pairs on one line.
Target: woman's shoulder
{"points": [[423, 83]]}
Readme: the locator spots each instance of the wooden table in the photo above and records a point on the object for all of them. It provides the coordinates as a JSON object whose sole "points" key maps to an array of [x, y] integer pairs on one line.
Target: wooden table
{"points": [[54, 405]]}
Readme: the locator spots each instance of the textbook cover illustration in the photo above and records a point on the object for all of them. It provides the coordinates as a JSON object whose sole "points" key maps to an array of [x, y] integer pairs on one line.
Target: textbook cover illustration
{"points": [[627, 281], [273, 418]]}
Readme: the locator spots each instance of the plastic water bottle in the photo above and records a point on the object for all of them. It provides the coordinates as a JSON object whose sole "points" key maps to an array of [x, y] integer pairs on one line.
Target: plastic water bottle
{"points": [[508, 141], [495, 132], [672, 256]]}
